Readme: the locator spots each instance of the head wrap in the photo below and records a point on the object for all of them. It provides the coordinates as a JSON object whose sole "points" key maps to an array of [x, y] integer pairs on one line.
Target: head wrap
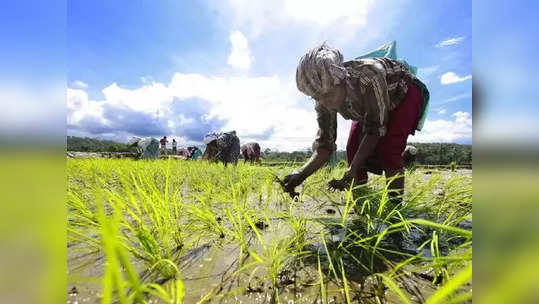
{"points": [[211, 137], [411, 149], [133, 140], [320, 70]]}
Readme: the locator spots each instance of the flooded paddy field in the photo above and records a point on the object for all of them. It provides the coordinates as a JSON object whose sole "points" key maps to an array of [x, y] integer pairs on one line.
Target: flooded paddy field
{"points": [[174, 231]]}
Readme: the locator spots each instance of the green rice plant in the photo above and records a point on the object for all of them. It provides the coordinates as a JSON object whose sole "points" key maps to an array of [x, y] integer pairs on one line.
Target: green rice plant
{"points": [[323, 292], [173, 293], [206, 220], [395, 288], [345, 284], [113, 279], [443, 295], [149, 218]]}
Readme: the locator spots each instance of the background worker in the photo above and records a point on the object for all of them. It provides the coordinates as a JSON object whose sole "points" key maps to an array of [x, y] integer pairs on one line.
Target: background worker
{"points": [[222, 146], [251, 152], [164, 142], [174, 146]]}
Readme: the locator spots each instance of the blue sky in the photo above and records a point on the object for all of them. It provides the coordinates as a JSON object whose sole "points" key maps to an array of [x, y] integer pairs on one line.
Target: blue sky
{"points": [[182, 68]]}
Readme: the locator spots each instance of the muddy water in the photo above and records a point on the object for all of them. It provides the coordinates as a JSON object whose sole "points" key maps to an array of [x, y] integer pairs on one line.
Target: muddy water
{"points": [[210, 268], [84, 273]]}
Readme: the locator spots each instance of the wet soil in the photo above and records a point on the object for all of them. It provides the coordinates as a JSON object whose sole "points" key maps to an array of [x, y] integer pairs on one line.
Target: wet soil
{"points": [[211, 268]]}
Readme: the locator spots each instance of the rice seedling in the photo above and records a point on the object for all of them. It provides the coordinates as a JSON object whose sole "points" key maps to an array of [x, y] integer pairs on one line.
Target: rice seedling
{"points": [[145, 230]]}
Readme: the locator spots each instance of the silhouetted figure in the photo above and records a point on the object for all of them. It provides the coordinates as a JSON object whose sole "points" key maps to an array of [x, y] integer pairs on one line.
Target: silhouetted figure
{"points": [[251, 152], [223, 147]]}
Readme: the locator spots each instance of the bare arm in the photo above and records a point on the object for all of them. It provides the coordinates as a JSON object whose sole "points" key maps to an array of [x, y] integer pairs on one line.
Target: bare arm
{"points": [[319, 158], [324, 142], [322, 147]]}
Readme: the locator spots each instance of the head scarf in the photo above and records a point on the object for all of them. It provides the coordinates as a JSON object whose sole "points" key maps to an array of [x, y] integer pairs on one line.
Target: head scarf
{"points": [[320, 70], [133, 140], [411, 149], [211, 137]]}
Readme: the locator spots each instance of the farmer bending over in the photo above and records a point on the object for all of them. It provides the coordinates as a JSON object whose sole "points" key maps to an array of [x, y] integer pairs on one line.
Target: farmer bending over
{"points": [[193, 153], [223, 147], [251, 152], [380, 96], [147, 148]]}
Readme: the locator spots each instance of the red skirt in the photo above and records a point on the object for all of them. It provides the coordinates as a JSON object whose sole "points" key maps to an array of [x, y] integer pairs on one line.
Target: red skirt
{"points": [[403, 121]]}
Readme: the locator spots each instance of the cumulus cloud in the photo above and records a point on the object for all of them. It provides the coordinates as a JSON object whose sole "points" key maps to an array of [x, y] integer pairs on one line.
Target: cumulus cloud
{"points": [[450, 77], [263, 109], [266, 108], [252, 106], [80, 108], [441, 111], [450, 41], [240, 55], [441, 130], [194, 104]]}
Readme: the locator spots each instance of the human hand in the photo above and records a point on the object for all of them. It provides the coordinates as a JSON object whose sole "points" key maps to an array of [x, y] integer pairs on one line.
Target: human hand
{"points": [[341, 184], [290, 182]]}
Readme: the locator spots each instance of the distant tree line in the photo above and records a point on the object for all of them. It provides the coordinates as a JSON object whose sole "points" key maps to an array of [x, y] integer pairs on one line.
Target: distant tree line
{"points": [[443, 153], [428, 153], [87, 144]]}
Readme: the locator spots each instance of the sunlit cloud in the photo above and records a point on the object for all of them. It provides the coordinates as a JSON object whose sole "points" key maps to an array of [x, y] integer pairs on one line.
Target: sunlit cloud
{"points": [[450, 41], [240, 56], [450, 77]]}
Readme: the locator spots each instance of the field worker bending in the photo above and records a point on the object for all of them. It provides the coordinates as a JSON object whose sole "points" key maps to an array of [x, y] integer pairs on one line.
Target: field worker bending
{"points": [[382, 98], [147, 148], [193, 153], [251, 152], [222, 146]]}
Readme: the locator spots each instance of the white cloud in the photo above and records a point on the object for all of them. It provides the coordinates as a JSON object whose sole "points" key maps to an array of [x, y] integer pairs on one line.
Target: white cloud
{"points": [[80, 84], [240, 55], [252, 105], [154, 98], [264, 109], [316, 20], [442, 130], [324, 12], [235, 100], [79, 107], [450, 41], [450, 77], [441, 111], [455, 98]]}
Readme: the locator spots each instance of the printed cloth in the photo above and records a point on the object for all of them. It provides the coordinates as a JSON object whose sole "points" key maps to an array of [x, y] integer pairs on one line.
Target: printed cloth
{"points": [[224, 147]]}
